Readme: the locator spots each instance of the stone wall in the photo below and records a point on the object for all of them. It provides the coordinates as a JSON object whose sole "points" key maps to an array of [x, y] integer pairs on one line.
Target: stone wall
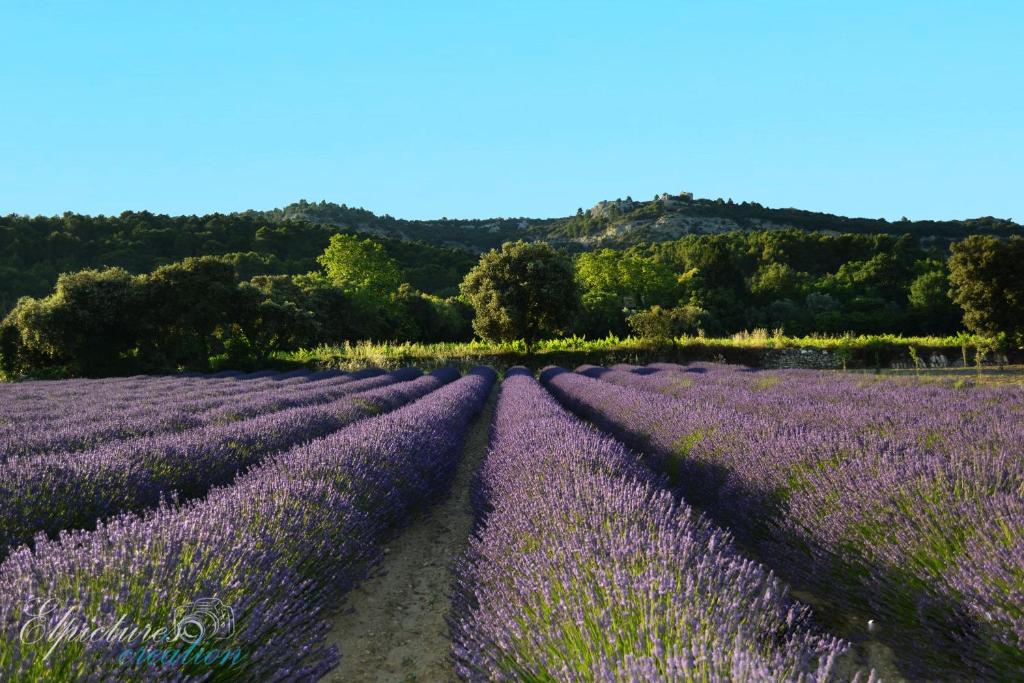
{"points": [[820, 359], [816, 359]]}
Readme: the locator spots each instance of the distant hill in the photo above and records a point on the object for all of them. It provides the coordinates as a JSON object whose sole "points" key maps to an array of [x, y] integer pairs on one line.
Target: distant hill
{"points": [[434, 254], [625, 222], [469, 234]]}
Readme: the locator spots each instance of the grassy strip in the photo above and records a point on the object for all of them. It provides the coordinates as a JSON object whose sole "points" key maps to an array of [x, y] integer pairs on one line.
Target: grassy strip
{"points": [[748, 348]]}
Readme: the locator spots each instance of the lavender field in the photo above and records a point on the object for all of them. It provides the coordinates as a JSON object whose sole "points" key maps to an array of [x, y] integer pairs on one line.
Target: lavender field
{"points": [[687, 523]]}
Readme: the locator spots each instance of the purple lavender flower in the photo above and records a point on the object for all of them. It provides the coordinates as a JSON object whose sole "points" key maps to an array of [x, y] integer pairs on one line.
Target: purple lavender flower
{"points": [[889, 499], [278, 546], [59, 491], [586, 568]]}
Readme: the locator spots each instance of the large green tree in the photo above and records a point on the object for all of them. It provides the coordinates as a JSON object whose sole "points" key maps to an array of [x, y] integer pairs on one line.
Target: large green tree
{"points": [[626, 274], [523, 291], [84, 327], [931, 309], [190, 306], [263, 325], [614, 282], [360, 268], [986, 281]]}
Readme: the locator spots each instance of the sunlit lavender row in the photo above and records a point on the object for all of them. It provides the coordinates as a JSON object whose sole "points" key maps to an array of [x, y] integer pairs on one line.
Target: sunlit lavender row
{"points": [[54, 492], [96, 420], [279, 545], [585, 568], [901, 506], [53, 400]]}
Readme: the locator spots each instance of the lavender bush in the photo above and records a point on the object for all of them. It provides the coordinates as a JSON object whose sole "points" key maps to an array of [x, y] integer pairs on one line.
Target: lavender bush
{"points": [[897, 502], [278, 546], [95, 420], [42, 401], [585, 568], [54, 492]]}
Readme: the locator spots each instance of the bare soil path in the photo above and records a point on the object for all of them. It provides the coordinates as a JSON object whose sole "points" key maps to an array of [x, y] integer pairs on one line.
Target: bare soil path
{"points": [[392, 626]]}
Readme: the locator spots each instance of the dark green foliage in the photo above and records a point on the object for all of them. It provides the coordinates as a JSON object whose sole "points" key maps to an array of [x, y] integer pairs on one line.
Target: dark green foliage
{"points": [[473, 235], [186, 303], [426, 318], [798, 281], [662, 324], [524, 291], [183, 314], [86, 326], [987, 283], [34, 251], [932, 311], [108, 322], [144, 292], [601, 313], [266, 323], [750, 215]]}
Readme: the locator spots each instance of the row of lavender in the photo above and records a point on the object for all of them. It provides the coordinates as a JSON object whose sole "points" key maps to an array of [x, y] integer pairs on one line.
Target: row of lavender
{"points": [[905, 503], [60, 491], [63, 401], [90, 423], [277, 546], [586, 568], [51, 400], [856, 403]]}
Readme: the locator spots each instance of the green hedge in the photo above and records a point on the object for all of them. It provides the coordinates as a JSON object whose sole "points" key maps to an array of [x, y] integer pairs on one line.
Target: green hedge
{"points": [[746, 349]]}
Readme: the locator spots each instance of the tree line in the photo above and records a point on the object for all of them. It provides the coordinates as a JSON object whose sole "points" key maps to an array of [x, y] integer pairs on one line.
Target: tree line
{"points": [[34, 251], [800, 283], [182, 314], [179, 316]]}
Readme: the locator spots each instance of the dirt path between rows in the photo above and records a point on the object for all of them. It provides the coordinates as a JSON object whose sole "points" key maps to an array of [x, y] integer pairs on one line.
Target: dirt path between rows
{"points": [[392, 626]]}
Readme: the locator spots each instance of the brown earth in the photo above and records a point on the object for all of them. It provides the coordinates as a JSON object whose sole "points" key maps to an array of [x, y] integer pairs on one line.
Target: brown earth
{"points": [[392, 626]]}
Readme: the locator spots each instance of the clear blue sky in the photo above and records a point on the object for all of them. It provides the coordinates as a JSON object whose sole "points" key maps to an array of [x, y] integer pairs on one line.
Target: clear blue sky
{"points": [[483, 109]]}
